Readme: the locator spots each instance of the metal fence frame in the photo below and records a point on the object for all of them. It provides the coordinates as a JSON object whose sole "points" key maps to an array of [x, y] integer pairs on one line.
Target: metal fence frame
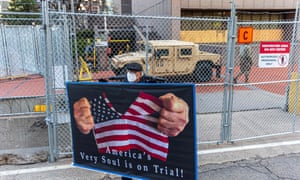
{"points": [[57, 39]]}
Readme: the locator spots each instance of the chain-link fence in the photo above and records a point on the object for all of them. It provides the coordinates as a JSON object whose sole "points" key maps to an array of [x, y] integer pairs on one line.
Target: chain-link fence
{"points": [[37, 60], [263, 104], [21, 61], [98, 43]]}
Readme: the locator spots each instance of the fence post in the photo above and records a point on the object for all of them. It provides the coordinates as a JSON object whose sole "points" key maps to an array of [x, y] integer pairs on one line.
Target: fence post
{"points": [[147, 49], [74, 40], [292, 54], [228, 83], [295, 32], [5, 52], [48, 79]]}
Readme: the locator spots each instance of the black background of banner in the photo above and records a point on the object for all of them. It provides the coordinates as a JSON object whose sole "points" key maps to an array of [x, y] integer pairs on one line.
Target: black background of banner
{"points": [[182, 148]]}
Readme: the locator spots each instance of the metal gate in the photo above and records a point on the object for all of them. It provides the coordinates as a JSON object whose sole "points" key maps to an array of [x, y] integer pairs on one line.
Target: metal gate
{"points": [[227, 111]]}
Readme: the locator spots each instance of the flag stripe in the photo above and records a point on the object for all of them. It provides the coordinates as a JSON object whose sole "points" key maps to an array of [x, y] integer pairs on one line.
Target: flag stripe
{"points": [[144, 106], [99, 127], [133, 146], [142, 109], [151, 146], [137, 110], [109, 104], [100, 133], [155, 106], [149, 98], [151, 121]]}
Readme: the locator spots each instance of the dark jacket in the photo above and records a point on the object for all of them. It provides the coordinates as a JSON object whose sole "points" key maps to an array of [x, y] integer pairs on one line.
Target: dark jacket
{"points": [[144, 79]]}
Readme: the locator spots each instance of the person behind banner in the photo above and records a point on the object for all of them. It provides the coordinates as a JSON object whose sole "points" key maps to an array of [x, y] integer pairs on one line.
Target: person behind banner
{"points": [[135, 74]]}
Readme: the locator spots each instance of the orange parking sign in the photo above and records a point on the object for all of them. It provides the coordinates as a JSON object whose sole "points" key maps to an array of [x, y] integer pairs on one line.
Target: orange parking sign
{"points": [[245, 35]]}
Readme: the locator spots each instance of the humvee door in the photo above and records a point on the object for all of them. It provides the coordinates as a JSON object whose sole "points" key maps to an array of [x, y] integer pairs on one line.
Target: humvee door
{"points": [[184, 56], [162, 60]]}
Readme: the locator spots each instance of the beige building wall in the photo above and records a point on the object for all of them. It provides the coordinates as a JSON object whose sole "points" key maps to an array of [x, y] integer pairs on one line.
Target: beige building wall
{"points": [[3, 5], [116, 6], [173, 7], [151, 7], [240, 4]]}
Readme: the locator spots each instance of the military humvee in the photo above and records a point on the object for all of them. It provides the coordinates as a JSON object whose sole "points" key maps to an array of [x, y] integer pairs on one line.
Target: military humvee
{"points": [[170, 58]]}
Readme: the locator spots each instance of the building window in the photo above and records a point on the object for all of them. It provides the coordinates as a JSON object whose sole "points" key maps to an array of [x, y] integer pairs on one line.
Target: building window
{"points": [[242, 16], [126, 7], [203, 25]]}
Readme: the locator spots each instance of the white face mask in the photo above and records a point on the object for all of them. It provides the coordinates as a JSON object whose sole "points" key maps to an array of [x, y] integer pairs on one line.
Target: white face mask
{"points": [[131, 77]]}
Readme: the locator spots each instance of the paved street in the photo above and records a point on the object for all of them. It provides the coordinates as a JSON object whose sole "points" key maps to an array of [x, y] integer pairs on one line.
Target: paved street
{"points": [[279, 167]]}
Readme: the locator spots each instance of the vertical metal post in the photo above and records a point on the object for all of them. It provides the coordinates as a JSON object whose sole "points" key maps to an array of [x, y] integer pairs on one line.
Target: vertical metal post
{"points": [[292, 53], [59, 8], [5, 50], [228, 84], [36, 48], [74, 37], [296, 105], [48, 79], [147, 49], [20, 50]]}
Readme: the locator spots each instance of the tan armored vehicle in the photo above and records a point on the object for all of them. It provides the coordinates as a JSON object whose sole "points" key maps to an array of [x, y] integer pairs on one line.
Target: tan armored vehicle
{"points": [[170, 58]]}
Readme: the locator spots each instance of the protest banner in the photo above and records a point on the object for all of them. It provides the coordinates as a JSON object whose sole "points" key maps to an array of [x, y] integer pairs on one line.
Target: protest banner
{"points": [[125, 139]]}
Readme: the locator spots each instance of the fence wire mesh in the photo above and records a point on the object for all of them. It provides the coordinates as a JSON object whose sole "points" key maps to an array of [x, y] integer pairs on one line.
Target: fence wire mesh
{"points": [[20, 63], [87, 47], [262, 104]]}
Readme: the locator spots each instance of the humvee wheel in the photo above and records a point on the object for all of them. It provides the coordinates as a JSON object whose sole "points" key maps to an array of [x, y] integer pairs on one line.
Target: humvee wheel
{"points": [[203, 71]]}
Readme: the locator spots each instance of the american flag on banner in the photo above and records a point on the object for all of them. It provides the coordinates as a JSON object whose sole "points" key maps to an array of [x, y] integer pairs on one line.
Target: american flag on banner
{"points": [[135, 129]]}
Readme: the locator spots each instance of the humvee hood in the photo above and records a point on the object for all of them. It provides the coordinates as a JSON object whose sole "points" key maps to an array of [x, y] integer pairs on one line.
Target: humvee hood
{"points": [[133, 56]]}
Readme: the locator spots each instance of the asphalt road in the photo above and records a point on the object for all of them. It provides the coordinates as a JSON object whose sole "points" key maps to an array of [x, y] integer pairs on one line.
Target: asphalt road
{"points": [[279, 167]]}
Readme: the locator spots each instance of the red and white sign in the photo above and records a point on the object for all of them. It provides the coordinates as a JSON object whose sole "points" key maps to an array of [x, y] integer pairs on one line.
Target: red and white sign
{"points": [[274, 54]]}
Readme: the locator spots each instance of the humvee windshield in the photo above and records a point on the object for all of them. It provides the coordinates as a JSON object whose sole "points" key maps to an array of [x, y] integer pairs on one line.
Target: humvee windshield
{"points": [[141, 47]]}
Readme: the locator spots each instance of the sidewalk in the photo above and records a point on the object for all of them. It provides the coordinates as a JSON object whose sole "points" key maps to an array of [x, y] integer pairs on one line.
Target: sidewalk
{"points": [[273, 136], [244, 150]]}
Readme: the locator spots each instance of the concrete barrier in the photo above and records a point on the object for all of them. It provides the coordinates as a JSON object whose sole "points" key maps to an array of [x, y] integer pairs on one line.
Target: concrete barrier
{"points": [[24, 139]]}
